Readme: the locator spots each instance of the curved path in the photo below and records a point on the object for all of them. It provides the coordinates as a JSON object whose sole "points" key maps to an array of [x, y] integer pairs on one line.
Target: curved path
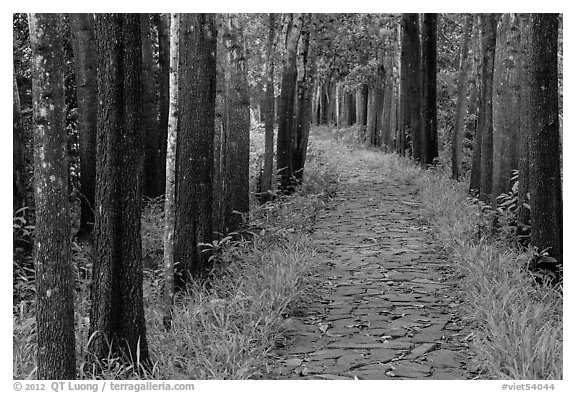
{"points": [[387, 307]]}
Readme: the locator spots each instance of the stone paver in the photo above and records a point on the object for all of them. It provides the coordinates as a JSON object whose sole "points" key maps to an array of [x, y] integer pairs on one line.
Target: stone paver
{"points": [[389, 306]]}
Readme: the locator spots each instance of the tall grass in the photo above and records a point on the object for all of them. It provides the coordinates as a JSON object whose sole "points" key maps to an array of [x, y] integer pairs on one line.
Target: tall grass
{"points": [[517, 320]]}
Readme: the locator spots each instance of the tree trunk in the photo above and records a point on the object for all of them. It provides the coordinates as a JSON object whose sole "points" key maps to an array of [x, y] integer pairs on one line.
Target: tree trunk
{"points": [[18, 163], [170, 194], [361, 107], [481, 180], [151, 187], [84, 46], [410, 94], [489, 24], [267, 173], [506, 108], [286, 109], [458, 133], [117, 312], [163, 97], [195, 156], [237, 125], [387, 107], [306, 70], [523, 231], [545, 178], [429, 131], [54, 284]]}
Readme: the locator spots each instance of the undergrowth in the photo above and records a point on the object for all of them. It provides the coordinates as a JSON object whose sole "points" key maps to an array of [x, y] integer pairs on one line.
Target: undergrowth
{"points": [[517, 318], [223, 330]]}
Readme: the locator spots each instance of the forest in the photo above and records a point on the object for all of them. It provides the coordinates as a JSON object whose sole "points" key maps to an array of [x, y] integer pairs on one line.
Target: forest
{"points": [[287, 196]]}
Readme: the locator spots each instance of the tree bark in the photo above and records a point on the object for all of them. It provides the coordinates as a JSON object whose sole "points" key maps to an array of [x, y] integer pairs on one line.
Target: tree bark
{"points": [[485, 126], [506, 108], [117, 311], [388, 100], [267, 173], [305, 80], [84, 47], [545, 178], [286, 110], [361, 107], [410, 95], [18, 163], [429, 130], [523, 231], [195, 141], [170, 194], [163, 96], [54, 285], [458, 133], [151, 185], [237, 125], [481, 179]]}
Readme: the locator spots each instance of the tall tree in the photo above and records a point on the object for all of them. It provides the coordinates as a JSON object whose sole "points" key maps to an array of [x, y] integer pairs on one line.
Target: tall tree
{"points": [[163, 96], [484, 137], [286, 110], [18, 163], [411, 83], [506, 107], [236, 124], [84, 47], [458, 133], [429, 128], [195, 141], [151, 186], [388, 100], [117, 312], [305, 80], [362, 107], [54, 284], [170, 200], [267, 175], [523, 212], [545, 177]]}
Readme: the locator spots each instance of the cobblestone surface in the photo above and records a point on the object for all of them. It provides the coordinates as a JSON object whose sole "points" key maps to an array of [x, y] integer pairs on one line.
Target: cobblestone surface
{"points": [[389, 306]]}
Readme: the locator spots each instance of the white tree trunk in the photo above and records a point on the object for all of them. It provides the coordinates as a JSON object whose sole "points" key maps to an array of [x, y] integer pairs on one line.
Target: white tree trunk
{"points": [[170, 205]]}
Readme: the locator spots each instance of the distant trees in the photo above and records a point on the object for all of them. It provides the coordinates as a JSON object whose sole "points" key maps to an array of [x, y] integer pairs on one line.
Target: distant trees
{"points": [[54, 284]]}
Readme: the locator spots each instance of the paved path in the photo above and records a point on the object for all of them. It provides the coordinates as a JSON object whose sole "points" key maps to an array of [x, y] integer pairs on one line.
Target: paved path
{"points": [[387, 306]]}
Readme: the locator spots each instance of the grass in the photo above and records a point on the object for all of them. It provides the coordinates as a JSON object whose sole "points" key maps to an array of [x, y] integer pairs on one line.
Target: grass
{"points": [[517, 321], [224, 330]]}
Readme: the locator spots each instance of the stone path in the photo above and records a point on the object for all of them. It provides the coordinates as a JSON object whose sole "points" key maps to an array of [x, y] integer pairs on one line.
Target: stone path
{"points": [[388, 306]]}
